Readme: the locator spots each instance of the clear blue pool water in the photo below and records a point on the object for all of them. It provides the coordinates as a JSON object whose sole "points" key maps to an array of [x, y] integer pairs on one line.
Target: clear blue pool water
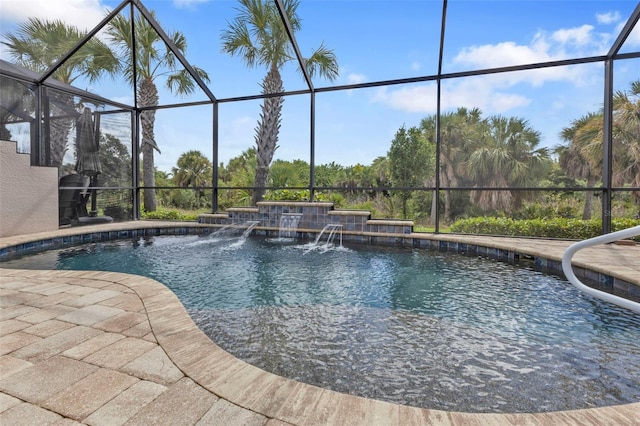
{"points": [[423, 328]]}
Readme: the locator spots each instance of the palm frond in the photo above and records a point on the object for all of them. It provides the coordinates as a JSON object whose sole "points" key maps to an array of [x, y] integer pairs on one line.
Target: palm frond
{"points": [[323, 62]]}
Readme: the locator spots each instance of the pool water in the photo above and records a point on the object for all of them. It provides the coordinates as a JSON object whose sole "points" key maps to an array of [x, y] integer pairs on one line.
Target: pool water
{"points": [[417, 327]]}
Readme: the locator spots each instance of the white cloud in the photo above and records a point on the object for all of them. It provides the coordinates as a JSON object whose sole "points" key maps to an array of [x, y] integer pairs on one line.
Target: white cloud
{"points": [[608, 18], [580, 36], [561, 44], [354, 78], [84, 14], [479, 93], [415, 66], [500, 93], [503, 54], [419, 98]]}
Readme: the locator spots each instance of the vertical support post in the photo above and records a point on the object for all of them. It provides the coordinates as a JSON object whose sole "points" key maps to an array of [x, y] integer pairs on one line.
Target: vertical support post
{"points": [[135, 119], [94, 179], [216, 158], [46, 127], [607, 147], [436, 192], [135, 163], [36, 137], [312, 148]]}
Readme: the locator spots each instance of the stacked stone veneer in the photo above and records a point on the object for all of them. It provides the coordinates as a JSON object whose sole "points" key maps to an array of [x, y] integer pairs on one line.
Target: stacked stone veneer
{"points": [[357, 225]]}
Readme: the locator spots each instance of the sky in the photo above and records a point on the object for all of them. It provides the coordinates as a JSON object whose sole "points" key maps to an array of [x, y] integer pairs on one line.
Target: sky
{"points": [[373, 41]]}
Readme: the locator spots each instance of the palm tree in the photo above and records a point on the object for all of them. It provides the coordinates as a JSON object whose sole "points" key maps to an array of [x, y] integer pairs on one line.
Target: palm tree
{"points": [[582, 158], [509, 157], [39, 44], [259, 37], [458, 131], [239, 172], [626, 134], [193, 170], [154, 60]]}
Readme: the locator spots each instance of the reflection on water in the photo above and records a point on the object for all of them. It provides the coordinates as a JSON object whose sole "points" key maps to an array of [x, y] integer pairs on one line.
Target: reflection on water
{"points": [[415, 327]]}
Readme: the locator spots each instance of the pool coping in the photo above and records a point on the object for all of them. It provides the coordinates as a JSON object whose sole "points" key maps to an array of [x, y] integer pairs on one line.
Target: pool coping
{"points": [[285, 400]]}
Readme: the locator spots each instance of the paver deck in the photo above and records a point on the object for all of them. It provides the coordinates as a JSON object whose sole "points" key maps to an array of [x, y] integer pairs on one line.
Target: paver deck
{"points": [[104, 348]]}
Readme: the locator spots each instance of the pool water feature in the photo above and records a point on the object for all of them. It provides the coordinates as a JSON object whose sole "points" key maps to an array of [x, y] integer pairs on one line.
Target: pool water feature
{"points": [[289, 225], [331, 230], [417, 327]]}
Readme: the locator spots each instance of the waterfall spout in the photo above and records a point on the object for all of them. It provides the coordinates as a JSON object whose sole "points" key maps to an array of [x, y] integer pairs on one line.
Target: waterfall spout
{"points": [[331, 229], [289, 225], [242, 230]]}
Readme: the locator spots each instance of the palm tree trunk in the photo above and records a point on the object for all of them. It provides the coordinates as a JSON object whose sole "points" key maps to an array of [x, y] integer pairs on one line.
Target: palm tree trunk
{"points": [[588, 199], [449, 179], [148, 97], [267, 131], [447, 204], [434, 205]]}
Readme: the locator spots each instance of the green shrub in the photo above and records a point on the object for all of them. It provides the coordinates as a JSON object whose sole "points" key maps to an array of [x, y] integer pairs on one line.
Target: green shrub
{"points": [[574, 229], [337, 199], [175, 215]]}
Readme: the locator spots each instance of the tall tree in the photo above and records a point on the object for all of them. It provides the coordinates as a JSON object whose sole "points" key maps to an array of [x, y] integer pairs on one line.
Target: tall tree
{"points": [[626, 135], [289, 173], [239, 172], [459, 131], [260, 38], [509, 157], [193, 170], [38, 45], [154, 61], [409, 162], [115, 159], [327, 174], [582, 158]]}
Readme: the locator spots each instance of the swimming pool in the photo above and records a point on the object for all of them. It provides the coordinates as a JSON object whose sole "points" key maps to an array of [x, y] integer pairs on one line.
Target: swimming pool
{"points": [[410, 326]]}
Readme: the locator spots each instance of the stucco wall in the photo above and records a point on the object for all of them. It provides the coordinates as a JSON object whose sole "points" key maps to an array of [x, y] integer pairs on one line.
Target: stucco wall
{"points": [[28, 195]]}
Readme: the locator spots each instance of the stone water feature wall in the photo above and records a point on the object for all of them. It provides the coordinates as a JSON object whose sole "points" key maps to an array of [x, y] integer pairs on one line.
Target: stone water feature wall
{"points": [[357, 225]]}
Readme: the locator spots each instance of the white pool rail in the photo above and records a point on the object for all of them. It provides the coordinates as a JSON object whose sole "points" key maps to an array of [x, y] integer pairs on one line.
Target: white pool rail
{"points": [[602, 239]]}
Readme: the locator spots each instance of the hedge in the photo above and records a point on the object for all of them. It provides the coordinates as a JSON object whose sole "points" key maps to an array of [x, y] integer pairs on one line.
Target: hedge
{"points": [[573, 229], [175, 215]]}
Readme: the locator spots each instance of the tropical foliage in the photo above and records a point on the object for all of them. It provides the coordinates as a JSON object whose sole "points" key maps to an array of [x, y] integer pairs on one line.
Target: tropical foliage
{"points": [[486, 166], [154, 61], [259, 37], [40, 44], [193, 170], [411, 160], [583, 155]]}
